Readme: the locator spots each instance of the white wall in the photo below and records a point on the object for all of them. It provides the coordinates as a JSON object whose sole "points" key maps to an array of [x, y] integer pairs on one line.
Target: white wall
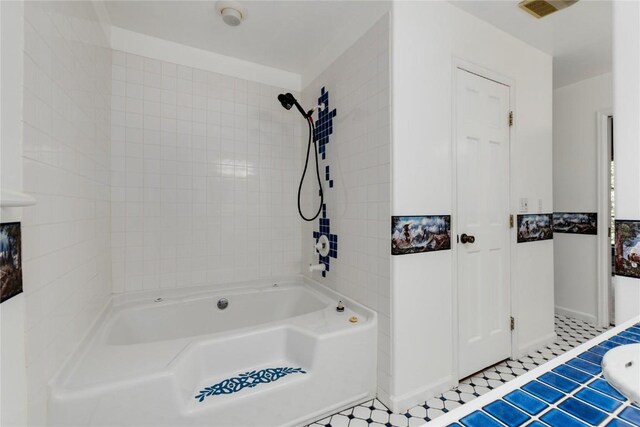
{"points": [[626, 110], [164, 50], [358, 205], [426, 37], [13, 374], [203, 172], [575, 190], [66, 268]]}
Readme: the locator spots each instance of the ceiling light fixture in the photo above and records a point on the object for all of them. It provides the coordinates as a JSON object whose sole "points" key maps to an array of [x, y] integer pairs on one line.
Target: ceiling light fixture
{"points": [[231, 12]]}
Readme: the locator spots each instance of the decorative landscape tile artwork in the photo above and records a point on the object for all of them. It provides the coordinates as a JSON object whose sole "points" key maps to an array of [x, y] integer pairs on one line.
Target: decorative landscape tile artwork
{"points": [[627, 259], [575, 223], [534, 227], [413, 234], [10, 260]]}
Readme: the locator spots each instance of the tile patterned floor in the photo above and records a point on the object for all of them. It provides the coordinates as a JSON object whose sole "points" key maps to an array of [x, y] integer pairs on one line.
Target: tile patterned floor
{"points": [[571, 333]]}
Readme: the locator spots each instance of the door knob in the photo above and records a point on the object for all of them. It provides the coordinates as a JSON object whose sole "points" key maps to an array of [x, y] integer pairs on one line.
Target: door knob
{"points": [[464, 238]]}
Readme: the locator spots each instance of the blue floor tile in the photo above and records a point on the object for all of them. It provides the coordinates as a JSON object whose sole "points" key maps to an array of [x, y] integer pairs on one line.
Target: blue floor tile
{"points": [[603, 386], [585, 366], [572, 373], [591, 357], [479, 419], [556, 418], [618, 423], [561, 383], [581, 410], [525, 401], [609, 344], [598, 400], [536, 424], [506, 413], [542, 391], [621, 340], [599, 350], [631, 414], [631, 336]]}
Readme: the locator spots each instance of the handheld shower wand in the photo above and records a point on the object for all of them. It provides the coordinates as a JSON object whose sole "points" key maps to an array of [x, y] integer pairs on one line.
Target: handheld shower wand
{"points": [[288, 100]]}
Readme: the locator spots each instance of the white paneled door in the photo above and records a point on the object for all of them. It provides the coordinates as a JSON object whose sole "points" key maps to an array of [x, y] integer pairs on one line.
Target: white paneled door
{"points": [[482, 138]]}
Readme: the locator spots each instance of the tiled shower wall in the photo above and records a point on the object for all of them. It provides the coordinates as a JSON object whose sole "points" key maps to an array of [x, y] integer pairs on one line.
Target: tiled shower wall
{"points": [[203, 172], [66, 249], [358, 205]]}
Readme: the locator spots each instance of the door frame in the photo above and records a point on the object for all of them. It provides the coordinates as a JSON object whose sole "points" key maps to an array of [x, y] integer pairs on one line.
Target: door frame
{"points": [[459, 63], [603, 184]]}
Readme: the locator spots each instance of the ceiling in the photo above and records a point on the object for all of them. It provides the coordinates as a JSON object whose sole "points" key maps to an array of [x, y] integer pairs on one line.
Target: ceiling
{"points": [[579, 37], [303, 37], [288, 35]]}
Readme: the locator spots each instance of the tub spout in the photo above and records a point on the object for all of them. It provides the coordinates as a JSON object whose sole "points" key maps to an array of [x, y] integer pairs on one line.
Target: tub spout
{"points": [[317, 267]]}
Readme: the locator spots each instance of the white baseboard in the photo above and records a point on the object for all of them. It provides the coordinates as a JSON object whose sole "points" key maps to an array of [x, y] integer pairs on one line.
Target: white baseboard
{"points": [[402, 403], [574, 314], [535, 345]]}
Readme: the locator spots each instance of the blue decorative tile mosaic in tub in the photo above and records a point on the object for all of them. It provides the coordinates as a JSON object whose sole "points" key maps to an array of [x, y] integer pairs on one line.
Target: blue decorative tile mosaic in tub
{"points": [[571, 394]]}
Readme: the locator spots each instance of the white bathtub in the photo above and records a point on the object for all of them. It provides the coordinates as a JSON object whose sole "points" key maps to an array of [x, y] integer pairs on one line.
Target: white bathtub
{"points": [[182, 361]]}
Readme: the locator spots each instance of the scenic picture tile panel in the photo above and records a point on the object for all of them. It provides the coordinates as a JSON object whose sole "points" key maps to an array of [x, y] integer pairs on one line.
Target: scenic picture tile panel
{"points": [[575, 222], [534, 227], [627, 259], [10, 260], [426, 233]]}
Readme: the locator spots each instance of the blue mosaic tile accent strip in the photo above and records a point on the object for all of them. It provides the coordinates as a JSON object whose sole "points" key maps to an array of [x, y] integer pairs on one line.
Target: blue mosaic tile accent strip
{"points": [[324, 125], [573, 394], [325, 229], [247, 380], [324, 128], [327, 176]]}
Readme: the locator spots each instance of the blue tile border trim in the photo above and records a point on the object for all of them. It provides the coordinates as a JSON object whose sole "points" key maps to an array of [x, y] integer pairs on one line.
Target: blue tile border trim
{"points": [[247, 380]]}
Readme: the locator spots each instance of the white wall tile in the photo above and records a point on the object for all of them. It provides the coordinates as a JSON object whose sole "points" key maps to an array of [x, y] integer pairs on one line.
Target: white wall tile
{"points": [[66, 125], [358, 206], [201, 204]]}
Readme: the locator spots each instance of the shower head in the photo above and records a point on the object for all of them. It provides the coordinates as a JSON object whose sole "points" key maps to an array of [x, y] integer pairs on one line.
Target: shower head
{"points": [[287, 100]]}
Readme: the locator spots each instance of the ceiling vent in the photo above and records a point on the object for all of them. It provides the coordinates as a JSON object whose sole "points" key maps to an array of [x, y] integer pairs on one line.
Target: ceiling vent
{"points": [[542, 8]]}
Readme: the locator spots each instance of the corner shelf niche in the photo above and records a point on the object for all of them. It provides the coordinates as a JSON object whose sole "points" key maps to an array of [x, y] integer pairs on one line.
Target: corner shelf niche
{"points": [[12, 199]]}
